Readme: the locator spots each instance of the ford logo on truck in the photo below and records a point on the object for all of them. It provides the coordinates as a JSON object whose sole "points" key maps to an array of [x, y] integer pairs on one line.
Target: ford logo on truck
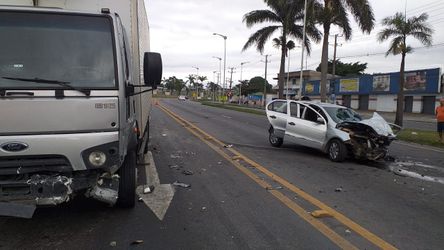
{"points": [[14, 146]]}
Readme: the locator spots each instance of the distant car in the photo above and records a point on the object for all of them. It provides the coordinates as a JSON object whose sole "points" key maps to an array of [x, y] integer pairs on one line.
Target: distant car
{"points": [[182, 98], [336, 130]]}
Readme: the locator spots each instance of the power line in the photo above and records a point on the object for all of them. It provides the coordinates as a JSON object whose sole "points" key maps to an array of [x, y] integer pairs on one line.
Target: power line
{"points": [[383, 53]]}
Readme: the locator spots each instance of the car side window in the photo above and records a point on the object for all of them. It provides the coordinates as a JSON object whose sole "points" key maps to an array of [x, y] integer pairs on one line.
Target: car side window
{"points": [[294, 110], [320, 111], [309, 114], [278, 106]]}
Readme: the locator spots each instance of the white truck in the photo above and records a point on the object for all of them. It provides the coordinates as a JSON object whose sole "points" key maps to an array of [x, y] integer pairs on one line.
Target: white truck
{"points": [[76, 81]]}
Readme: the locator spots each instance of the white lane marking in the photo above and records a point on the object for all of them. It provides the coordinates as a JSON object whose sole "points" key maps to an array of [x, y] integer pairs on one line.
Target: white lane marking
{"points": [[160, 199]]}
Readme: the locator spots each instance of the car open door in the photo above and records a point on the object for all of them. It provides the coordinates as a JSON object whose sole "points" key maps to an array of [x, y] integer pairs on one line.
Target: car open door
{"points": [[305, 126], [277, 115]]}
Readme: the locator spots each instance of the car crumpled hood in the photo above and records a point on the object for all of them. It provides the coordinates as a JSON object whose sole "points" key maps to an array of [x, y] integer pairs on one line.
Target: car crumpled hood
{"points": [[376, 122]]}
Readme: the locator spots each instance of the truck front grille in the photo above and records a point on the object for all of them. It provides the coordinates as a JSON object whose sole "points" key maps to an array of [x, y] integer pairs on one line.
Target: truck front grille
{"points": [[33, 164]]}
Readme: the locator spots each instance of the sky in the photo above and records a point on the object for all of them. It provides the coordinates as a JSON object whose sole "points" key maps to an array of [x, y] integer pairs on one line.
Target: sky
{"points": [[182, 31]]}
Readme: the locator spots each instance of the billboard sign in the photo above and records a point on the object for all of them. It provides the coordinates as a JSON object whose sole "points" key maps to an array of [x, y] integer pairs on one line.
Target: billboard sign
{"points": [[349, 85], [415, 81], [381, 83]]}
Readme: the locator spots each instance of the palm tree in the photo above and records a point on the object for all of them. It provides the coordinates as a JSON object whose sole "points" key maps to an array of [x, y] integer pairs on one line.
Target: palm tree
{"points": [[277, 42], [284, 15], [399, 28], [336, 12]]}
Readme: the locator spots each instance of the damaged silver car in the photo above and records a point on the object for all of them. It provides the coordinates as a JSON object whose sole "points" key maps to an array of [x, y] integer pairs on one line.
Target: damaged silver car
{"points": [[336, 130]]}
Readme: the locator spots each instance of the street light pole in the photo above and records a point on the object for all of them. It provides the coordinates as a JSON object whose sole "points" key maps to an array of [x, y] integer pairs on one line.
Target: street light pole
{"points": [[220, 68], [240, 85], [197, 78], [265, 83], [225, 58], [303, 47]]}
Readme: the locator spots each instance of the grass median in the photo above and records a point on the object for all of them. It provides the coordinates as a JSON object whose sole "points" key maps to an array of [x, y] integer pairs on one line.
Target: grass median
{"points": [[423, 137], [235, 107]]}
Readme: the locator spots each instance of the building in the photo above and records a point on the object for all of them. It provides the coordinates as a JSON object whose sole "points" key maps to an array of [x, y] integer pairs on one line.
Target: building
{"points": [[422, 90], [294, 80]]}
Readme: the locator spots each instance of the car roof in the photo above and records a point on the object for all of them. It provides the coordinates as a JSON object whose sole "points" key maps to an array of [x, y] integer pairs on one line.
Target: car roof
{"points": [[318, 103]]}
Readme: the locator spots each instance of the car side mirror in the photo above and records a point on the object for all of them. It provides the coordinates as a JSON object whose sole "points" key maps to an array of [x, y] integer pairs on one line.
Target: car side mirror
{"points": [[152, 69], [320, 120]]}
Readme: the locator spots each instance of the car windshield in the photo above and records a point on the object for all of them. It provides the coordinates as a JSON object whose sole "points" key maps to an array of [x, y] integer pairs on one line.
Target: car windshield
{"points": [[66, 48], [342, 114]]}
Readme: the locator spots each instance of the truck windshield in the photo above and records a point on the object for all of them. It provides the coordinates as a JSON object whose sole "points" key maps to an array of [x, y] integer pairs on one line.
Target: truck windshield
{"points": [[76, 49]]}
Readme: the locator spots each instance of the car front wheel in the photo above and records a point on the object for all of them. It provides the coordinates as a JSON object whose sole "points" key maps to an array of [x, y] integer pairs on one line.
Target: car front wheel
{"points": [[274, 140], [337, 151]]}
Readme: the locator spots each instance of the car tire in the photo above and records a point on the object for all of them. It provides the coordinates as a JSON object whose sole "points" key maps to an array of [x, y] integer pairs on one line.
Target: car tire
{"points": [[274, 140], [337, 151], [127, 182]]}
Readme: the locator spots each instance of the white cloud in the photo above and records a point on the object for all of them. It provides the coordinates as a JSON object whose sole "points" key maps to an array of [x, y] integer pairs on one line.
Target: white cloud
{"points": [[182, 31]]}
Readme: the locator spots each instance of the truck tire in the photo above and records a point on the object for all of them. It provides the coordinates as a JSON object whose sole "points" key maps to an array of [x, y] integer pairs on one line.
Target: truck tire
{"points": [[274, 140], [127, 182], [337, 151]]}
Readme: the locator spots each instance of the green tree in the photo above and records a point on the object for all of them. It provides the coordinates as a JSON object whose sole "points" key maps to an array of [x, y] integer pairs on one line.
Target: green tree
{"points": [[398, 27], [173, 83], [255, 84], [284, 16], [345, 69], [336, 12]]}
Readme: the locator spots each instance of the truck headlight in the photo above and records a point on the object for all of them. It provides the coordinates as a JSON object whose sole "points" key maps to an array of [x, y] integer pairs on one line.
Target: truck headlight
{"points": [[97, 158]]}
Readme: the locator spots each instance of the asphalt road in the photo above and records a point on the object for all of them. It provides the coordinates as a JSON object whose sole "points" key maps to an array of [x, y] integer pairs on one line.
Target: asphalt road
{"points": [[226, 209]]}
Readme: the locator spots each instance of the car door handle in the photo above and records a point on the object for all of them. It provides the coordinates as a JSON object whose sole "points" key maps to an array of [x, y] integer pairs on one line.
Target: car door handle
{"points": [[272, 117], [292, 123]]}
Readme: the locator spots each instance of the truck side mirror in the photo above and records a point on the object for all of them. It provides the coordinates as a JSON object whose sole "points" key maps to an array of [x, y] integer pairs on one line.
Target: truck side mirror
{"points": [[152, 69]]}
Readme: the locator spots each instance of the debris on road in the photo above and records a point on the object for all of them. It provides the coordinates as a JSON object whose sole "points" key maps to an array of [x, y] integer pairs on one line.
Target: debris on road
{"points": [[148, 189], [140, 199], [339, 189], [113, 244], [187, 172], [320, 214], [172, 156], [203, 209], [219, 163], [137, 242], [164, 135], [347, 231], [175, 166], [180, 184], [228, 146]]}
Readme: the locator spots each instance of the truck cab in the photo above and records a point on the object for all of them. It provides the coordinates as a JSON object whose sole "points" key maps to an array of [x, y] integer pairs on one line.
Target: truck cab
{"points": [[76, 80]]}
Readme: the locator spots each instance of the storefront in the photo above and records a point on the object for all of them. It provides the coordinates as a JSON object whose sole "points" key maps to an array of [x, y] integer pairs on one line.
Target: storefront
{"points": [[422, 90]]}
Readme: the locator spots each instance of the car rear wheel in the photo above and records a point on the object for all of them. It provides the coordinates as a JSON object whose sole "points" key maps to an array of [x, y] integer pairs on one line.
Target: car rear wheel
{"points": [[337, 151], [274, 140], [127, 183]]}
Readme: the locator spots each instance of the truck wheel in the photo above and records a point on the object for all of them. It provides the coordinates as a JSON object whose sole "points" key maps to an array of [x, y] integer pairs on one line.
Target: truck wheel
{"points": [[337, 151], [127, 183], [274, 140]]}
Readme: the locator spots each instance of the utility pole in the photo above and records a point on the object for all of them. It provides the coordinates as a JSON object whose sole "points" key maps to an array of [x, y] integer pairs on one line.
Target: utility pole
{"points": [[240, 86], [334, 54], [231, 75], [265, 83], [231, 79]]}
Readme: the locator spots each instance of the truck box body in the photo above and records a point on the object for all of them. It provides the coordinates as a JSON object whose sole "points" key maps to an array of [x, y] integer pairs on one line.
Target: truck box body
{"points": [[73, 103]]}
